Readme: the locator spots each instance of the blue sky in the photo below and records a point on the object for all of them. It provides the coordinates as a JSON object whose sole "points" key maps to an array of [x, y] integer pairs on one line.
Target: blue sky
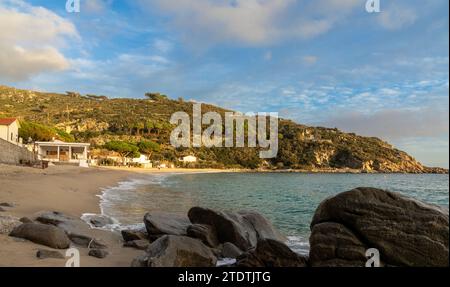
{"points": [[321, 62]]}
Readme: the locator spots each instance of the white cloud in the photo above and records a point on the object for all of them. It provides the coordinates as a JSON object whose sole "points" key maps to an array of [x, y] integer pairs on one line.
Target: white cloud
{"points": [[252, 22], [395, 17], [30, 40]]}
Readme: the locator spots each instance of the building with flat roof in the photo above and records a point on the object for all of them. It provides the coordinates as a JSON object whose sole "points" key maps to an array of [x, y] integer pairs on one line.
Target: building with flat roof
{"points": [[59, 151]]}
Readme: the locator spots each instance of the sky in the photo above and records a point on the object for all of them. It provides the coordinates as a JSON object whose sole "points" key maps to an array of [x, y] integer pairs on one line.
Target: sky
{"points": [[318, 62]]}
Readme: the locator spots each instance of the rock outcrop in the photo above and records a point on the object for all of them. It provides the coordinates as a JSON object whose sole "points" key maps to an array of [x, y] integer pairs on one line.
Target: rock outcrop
{"points": [[47, 235], [163, 223], [179, 251], [405, 231], [243, 228], [271, 253]]}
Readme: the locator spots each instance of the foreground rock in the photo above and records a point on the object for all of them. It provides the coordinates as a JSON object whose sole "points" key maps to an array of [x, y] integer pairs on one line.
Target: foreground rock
{"points": [[131, 235], [405, 231], [54, 218], [86, 241], [271, 253], [44, 254], [100, 220], [163, 223], [137, 244], [177, 251], [98, 253], [243, 228], [206, 233], [47, 235]]}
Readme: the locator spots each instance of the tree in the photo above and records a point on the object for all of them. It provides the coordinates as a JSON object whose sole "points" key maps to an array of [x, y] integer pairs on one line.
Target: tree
{"points": [[124, 149], [39, 132], [148, 147], [156, 96]]}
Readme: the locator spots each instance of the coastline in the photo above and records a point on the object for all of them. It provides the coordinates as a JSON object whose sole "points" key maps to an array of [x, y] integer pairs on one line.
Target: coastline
{"points": [[72, 191]]}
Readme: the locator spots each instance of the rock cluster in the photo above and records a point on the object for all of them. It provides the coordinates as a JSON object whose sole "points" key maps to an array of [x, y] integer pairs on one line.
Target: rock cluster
{"points": [[204, 236]]}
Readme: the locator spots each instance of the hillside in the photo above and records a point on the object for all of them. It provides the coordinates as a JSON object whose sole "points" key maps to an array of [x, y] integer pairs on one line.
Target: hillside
{"points": [[98, 120]]}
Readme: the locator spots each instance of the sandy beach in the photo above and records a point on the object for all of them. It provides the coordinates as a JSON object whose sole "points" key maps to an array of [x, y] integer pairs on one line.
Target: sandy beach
{"points": [[70, 190]]}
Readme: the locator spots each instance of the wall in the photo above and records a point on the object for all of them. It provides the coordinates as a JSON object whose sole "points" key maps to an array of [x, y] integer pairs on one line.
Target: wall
{"points": [[4, 132], [13, 154]]}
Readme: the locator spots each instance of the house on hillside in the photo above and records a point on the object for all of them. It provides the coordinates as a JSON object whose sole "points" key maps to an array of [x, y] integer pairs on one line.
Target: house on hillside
{"points": [[62, 152], [188, 159], [9, 130]]}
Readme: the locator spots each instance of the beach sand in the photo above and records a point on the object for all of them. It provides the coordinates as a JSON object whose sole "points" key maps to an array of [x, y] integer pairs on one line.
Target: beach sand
{"points": [[72, 191]]}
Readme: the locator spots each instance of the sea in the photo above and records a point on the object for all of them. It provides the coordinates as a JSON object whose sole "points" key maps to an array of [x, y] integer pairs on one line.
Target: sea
{"points": [[288, 200]]}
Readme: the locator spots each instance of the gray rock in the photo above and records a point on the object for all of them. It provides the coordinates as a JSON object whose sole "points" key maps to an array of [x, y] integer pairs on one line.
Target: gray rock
{"points": [[140, 261], [54, 218], [206, 233], [47, 235], [130, 235], [100, 220], [44, 254], [179, 251], [86, 241], [243, 228], [271, 253], [163, 223], [138, 244], [229, 250], [405, 231], [98, 253], [6, 204], [334, 245], [26, 220]]}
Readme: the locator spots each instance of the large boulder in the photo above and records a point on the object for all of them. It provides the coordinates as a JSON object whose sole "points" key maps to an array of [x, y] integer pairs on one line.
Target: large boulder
{"points": [[335, 245], [47, 235], [163, 223], [271, 253], [243, 228], [405, 231], [206, 233], [179, 251]]}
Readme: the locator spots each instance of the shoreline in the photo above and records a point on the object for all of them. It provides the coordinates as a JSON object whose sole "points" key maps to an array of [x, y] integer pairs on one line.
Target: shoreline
{"points": [[75, 192]]}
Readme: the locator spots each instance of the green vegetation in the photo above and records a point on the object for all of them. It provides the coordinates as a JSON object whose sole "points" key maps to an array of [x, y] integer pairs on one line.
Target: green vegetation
{"points": [[124, 149], [30, 131], [148, 147], [134, 125]]}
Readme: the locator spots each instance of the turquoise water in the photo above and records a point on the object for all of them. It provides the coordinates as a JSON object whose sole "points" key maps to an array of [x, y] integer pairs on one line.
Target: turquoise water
{"points": [[287, 199]]}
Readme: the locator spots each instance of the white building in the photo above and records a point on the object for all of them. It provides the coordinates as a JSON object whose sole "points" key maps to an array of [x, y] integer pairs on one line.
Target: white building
{"points": [[143, 160], [188, 159], [9, 130], [59, 151]]}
